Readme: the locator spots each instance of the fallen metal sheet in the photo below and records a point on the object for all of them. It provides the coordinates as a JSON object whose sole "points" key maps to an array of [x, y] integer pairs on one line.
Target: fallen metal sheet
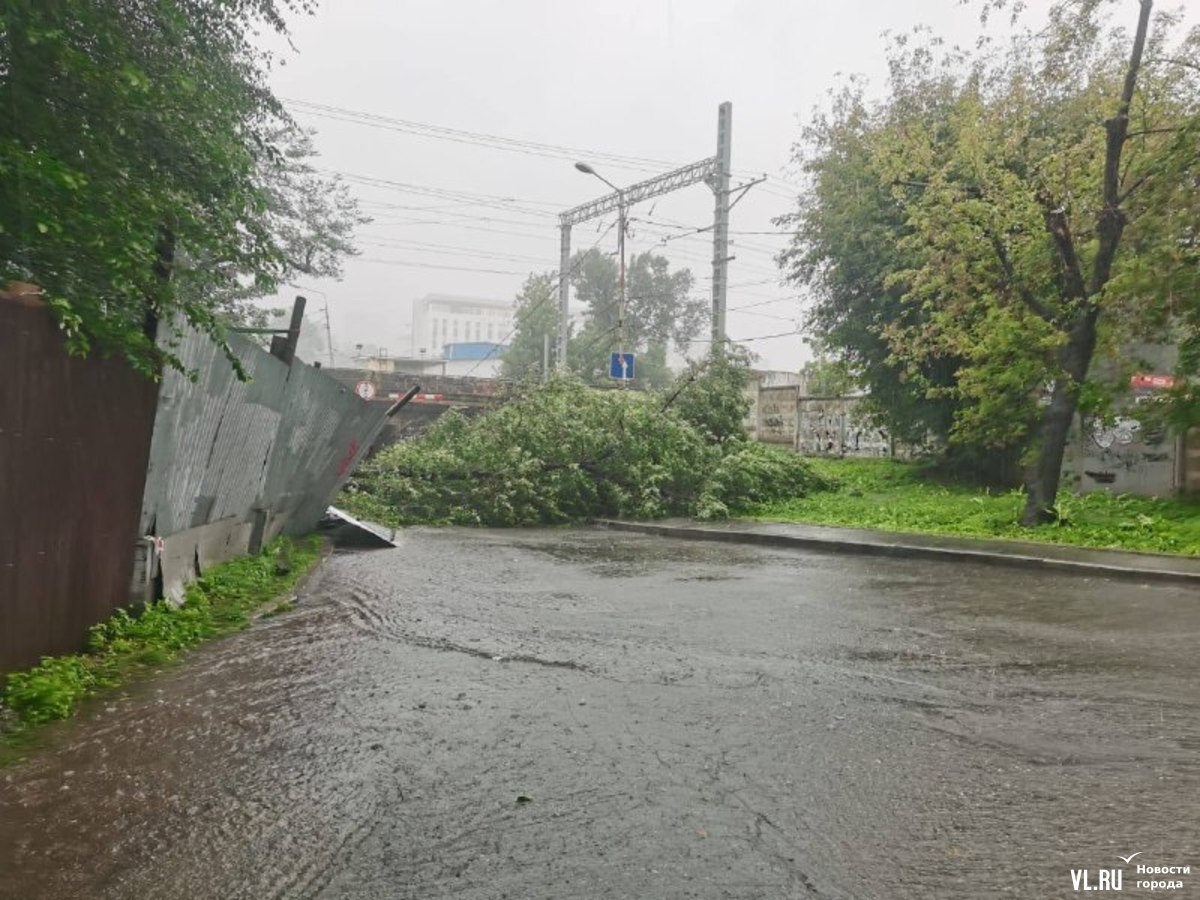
{"points": [[348, 531]]}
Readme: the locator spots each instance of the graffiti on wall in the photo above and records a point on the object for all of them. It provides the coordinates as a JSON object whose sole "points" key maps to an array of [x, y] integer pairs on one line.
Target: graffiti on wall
{"points": [[777, 415], [1121, 433], [1124, 455], [834, 427]]}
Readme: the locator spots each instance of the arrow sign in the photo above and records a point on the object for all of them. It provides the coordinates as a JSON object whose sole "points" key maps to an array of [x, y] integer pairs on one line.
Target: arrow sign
{"points": [[620, 366]]}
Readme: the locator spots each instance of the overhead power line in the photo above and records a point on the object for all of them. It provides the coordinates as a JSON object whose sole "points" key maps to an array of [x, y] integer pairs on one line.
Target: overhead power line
{"points": [[763, 303], [420, 265], [775, 185], [476, 138], [761, 337], [765, 337], [510, 204], [448, 249], [550, 294], [433, 223]]}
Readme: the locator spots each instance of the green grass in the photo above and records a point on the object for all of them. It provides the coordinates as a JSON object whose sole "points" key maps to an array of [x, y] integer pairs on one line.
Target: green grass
{"points": [[907, 497], [131, 643]]}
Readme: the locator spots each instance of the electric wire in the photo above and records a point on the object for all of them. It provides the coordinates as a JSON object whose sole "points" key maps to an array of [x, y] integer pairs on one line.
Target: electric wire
{"points": [[549, 294]]}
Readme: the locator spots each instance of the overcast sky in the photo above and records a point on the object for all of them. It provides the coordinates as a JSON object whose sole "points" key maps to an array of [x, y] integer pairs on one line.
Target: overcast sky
{"points": [[631, 78]]}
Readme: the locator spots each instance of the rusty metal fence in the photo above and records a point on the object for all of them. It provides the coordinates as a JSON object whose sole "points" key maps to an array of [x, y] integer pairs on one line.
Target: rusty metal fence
{"points": [[113, 489], [74, 439]]}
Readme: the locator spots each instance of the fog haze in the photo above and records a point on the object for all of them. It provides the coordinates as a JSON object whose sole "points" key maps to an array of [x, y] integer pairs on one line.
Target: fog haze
{"points": [[634, 78]]}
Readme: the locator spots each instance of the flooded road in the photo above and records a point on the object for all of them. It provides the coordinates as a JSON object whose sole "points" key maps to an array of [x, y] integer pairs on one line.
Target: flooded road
{"points": [[585, 714]]}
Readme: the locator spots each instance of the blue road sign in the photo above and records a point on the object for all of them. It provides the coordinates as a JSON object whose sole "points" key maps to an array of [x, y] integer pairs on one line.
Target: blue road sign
{"points": [[620, 366]]}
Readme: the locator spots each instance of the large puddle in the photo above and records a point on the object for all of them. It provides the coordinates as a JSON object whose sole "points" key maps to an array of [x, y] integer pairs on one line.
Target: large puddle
{"points": [[682, 719]]}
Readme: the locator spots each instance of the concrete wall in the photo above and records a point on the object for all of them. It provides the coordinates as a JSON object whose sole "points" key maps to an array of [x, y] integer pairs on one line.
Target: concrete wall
{"points": [[1122, 456], [1125, 457], [816, 426], [777, 414], [394, 382], [470, 396], [1190, 463], [759, 379], [832, 426]]}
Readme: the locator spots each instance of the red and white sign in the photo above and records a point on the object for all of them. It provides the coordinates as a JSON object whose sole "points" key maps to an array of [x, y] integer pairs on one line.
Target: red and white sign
{"points": [[365, 389], [1144, 382], [427, 398]]}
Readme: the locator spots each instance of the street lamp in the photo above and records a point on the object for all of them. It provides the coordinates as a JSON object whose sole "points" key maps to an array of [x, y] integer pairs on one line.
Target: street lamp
{"points": [[588, 170]]}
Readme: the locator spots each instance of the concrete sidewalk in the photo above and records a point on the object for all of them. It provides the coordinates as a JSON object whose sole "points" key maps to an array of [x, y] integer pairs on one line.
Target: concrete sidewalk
{"points": [[1022, 554]]}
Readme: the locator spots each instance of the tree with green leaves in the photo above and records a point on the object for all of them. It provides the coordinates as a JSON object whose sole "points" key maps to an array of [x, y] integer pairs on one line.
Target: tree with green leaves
{"points": [[660, 312], [825, 377], [845, 251], [711, 394], [312, 219], [536, 315], [145, 176], [1027, 213], [565, 452]]}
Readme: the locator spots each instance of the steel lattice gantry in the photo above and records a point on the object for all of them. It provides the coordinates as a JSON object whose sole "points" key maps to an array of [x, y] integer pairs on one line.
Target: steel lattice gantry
{"points": [[713, 171]]}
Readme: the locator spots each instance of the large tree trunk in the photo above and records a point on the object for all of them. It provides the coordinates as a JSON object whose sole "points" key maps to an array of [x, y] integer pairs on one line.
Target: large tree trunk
{"points": [[1042, 480], [164, 269], [1075, 358]]}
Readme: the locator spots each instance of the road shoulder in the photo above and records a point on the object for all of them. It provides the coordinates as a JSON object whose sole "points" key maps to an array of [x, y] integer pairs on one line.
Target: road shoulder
{"points": [[832, 539]]}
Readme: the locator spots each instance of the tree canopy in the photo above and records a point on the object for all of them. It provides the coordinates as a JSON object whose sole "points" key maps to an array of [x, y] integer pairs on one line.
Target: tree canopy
{"points": [[147, 174], [977, 235], [537, 318], [312, 219], [566, 452], [660, 312]]}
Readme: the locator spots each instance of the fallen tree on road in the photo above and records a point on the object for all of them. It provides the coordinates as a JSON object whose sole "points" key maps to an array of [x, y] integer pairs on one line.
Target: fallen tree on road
{"points": [[563, 452]]}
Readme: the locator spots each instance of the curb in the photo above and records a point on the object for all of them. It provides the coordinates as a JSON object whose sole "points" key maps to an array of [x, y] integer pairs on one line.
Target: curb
{"points": [[906, 550]]}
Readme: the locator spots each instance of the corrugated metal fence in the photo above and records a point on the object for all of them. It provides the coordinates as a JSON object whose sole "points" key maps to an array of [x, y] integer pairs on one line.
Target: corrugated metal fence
{"points": [[74, 438], [105, 498], [234, 464]]}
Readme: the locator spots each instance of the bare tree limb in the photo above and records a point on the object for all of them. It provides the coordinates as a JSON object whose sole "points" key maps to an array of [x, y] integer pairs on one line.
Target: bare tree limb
{"points": [[1035, 305], [1059, 226], [1171, 130], [1133, 188], [1112, 219], [1186, 63]]}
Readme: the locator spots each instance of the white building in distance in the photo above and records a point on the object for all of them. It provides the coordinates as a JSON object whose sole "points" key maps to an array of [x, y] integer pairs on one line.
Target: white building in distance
{"points": [[441, 319]]}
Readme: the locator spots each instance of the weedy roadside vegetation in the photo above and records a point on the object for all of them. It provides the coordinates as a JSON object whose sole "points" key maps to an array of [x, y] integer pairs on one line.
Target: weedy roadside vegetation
{"points": [[132, 642], [912, 497]]}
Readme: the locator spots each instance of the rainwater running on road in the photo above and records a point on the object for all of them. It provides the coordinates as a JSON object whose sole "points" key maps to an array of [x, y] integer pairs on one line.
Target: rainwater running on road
{"points": [[585, 714]]}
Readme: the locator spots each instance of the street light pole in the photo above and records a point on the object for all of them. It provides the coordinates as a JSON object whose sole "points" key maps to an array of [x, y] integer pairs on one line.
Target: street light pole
{"points": [[713, 171], [328, 329], [622, 209]]}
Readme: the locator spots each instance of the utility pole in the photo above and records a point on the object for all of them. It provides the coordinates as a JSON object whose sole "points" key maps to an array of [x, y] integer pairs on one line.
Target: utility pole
{"points": [[713, 171], [564, 295], [328, 334], [621, 228], [720, 189], [328, 330]]}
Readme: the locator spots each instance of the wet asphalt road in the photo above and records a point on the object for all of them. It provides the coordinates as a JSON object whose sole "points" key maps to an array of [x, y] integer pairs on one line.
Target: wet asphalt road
{"points": [[686, 719]]}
